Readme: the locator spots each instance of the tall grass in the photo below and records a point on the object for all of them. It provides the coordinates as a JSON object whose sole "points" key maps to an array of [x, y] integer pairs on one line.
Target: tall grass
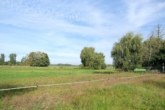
{"points": [[119, 97], [147, 92]]}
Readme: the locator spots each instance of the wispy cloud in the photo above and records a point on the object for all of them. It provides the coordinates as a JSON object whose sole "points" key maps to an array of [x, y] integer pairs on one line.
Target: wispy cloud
{"points": [[144, 11]]}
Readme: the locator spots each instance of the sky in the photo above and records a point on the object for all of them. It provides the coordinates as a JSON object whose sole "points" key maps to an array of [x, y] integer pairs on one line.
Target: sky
{"points": [[62, 28]]}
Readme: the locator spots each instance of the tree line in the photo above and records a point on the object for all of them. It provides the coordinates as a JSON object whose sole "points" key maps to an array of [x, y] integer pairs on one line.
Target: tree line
{"points": [[33, 59], [89, 58], [12, 60], [132, 52], [128, 53]]}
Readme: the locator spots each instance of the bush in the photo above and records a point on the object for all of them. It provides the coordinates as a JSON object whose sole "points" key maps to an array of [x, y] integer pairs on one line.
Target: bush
{"points": [[103, 66]]}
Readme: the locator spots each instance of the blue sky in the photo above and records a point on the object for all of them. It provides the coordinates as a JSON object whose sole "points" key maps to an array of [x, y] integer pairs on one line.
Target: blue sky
{"points": [[62, 28]]}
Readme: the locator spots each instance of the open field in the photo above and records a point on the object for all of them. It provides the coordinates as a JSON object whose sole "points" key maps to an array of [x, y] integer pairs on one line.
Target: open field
{"points": [[118, 90]]}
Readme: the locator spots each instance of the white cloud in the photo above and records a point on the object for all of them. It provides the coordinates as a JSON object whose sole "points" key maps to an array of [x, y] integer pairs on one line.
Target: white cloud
{"points": [[142, 12], [62, 29], [63, 16]]}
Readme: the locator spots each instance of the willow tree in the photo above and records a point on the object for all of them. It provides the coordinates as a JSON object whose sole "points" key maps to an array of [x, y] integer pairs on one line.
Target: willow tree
{"points": [[127, 53], [91, 59], [87, 57], [99, 61]]}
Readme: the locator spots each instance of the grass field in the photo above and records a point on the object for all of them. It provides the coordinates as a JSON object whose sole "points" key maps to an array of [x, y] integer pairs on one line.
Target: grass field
{"points": [[116, 93]]}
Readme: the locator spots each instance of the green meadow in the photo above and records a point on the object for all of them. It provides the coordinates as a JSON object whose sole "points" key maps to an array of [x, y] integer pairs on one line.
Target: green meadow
{"points": [[119, 90]]}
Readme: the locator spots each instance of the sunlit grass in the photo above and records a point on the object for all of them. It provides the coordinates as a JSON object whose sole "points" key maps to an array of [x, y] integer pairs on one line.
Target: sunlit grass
{"points": [[120, 96], [136, 95], [146, 92], [26, 76]]}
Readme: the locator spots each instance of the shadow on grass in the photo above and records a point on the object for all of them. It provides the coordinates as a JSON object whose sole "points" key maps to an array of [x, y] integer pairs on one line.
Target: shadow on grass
{"points": [[5, 86], [159, 84], [14, 92]]}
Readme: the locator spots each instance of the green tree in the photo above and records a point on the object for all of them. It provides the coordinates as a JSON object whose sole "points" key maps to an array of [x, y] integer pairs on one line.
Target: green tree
{"points": [[24, 60], [127, 53], [151, 47], [87, 57], [2, 59], [91, 59], [37, 59], [12, 59], [159, 58], [99, 61]]}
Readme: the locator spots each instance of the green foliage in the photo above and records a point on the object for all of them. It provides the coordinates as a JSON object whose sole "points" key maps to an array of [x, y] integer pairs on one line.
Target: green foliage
{"points": [[81, 66], [151, 47], [159, 58], [24, 60], [2, 59], [99, 61], [12, 59], [91, 59], [127, 53], [36, 59], [103, 66], [87, 57]]}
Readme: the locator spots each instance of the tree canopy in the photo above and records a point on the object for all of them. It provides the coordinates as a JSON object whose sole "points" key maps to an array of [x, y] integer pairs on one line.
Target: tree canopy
{"points": [[12, 57], [159, 58], [36, 59], [91, 59], [127, 53], [150, 48], [2, 59]]}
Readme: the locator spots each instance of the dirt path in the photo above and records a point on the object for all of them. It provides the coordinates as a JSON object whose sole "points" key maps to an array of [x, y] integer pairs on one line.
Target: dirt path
{"points": [[112, 80]]}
